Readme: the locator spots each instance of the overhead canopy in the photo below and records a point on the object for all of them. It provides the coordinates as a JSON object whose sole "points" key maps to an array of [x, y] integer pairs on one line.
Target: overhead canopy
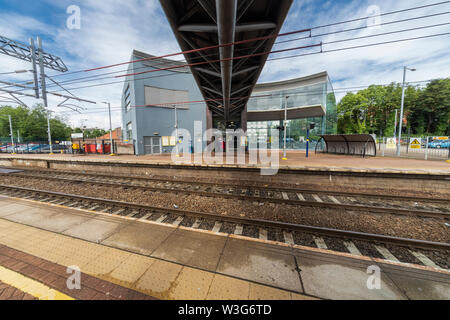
{"points": [[354, 144], [292, 113], [226, 82]]}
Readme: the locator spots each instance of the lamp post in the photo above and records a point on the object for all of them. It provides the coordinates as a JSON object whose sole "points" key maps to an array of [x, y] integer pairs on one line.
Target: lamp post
{"points": [[400, 126], [285, 127], [110, 128]]}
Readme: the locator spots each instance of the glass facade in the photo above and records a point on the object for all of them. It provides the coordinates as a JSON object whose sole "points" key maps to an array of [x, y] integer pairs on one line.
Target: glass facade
{"points": [[312, 94]]}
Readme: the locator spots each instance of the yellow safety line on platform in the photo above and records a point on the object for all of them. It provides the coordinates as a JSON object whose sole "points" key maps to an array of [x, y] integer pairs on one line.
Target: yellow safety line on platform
{"points": [[30, 286]]}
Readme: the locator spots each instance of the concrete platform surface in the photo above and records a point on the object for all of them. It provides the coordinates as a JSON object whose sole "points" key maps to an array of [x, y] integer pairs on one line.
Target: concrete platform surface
{"points": [[168, 262], [296, 160]]}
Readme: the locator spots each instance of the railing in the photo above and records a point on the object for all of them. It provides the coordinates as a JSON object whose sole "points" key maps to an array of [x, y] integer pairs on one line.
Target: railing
{"points": [[426, 148]]}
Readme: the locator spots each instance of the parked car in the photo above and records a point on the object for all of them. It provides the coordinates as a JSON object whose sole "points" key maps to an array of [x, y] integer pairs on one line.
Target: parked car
{"points": [[439, 144], [55, 148]]}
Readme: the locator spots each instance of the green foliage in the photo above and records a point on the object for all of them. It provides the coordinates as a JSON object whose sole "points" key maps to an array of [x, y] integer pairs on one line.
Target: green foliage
{"points": [[372, 110], [32, 124]]}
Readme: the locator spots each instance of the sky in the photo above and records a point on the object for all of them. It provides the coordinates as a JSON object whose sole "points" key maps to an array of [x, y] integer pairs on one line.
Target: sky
{"points": [[111, 29]]}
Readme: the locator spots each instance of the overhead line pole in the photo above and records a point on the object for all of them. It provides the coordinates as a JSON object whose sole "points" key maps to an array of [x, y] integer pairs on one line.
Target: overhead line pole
{"points": [[12, 134], [44, 92]]}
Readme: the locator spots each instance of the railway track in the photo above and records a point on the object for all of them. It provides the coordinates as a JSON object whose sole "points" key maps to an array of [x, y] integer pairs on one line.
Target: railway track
{"points": [[381, 204], [427, 253]]}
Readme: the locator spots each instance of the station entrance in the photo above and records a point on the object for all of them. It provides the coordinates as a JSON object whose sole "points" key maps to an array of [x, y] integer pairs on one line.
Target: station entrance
{"points": [[152, 145]]}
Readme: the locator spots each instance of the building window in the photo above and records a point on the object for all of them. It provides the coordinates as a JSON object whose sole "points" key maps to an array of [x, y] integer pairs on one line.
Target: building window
{"points": [[127, 98], [130, 131], [165, 98]]}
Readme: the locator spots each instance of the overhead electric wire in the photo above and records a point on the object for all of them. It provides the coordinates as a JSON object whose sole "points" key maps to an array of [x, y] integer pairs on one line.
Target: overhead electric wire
{"points": [[95, 77], [273, 59], [260, 97], [290, 40], [266, 37]]}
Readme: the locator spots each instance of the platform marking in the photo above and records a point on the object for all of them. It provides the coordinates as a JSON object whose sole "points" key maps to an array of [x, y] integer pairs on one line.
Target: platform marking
{"points": [[386, 254], [30, 286], [178, 221], [285, 196], [301, 197], [239, 229], [217, 227], [161, 219], [288, 238], [351, 247], [334, 200], [263, 234], [196, 224], [144, 217], [316, 197], [320, 243], [424, 259]]}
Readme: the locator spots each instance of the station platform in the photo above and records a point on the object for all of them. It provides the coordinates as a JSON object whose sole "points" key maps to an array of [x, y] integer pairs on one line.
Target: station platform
{"points": [[296, 160], [126, 258]]}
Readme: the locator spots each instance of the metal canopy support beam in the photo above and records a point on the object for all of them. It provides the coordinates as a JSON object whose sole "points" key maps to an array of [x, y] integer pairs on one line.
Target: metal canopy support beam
{"points": [[241, 89], [238, 73], [193, 10], [191, 44], [209, 10], [243, 7], [211, 73], [226, 22], [212, 85], [212, 28], [213, 91]]}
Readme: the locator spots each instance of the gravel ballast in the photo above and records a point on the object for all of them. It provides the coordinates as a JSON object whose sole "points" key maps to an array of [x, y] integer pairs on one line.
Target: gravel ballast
{"points": [[392, 225]]}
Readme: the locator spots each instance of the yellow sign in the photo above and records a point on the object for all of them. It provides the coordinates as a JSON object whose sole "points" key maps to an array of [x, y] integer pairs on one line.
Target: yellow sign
{"points": [[416, 143], [76, 146], [391, 143], [165, 141]]}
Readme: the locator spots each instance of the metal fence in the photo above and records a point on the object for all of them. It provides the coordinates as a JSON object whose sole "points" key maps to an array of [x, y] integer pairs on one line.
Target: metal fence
{"points": [[426, 148]]}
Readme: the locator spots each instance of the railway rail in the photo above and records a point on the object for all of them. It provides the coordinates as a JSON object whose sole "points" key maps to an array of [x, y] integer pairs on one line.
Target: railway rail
{"points": [[381, 204], [432, 254]]}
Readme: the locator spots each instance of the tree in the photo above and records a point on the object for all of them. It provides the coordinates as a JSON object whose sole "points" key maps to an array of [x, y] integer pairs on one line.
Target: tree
{"points": [[431, 114], [372, 110], [32, 124]]}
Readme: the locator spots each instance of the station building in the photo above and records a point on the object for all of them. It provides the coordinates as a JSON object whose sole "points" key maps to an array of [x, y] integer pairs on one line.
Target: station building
{"points": [[309, 100], [152, 104]]}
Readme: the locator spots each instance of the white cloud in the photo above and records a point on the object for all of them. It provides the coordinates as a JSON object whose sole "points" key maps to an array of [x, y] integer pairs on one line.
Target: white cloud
{"points": [[371, 65]]}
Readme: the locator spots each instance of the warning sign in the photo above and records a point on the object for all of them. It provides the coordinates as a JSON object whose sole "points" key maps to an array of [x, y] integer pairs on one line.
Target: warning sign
{"points": [[391, 143], [416, 143]]}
